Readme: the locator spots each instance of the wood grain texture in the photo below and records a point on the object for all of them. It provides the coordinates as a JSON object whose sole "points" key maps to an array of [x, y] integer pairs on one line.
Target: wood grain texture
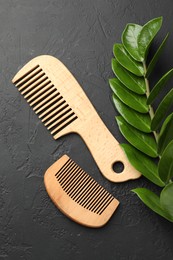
{"points": [[64, 108], [78, 195]]}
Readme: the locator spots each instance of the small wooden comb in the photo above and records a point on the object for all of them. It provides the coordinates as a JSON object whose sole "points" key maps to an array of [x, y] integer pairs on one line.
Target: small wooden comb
{"points": [[77, 194], [63, 107]]}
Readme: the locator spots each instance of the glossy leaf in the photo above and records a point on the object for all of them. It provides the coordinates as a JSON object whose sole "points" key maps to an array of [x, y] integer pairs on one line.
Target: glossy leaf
{"points": [[138, 120], [151, 200], [166, 134], [159, 86], [143, 164], [164, 106], [156, 57], [142, 141], [131, 81], [131, 99], [129, 40], [166, 199], [147, 34], [127, 61], [165, 166]]}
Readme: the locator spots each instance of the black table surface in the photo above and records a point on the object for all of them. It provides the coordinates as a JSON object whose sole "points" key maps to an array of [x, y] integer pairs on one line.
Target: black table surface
{"points": [[81, 34]]}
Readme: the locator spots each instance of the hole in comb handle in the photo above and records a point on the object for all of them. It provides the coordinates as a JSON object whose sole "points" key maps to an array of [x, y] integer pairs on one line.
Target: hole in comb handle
{"points": [[118, 167]]}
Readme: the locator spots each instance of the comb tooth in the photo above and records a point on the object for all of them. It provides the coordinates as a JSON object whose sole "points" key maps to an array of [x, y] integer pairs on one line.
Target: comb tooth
{"points": [[61, 116], [44, 97], [74, 174], [71, 182], [63, 167], [50, 111], [64, 124], [101, 201], [67, 174], [42, 82], [42, 89], [41, 94], [80, 178], [38, 93], [83, 192], [47, 102], [102, 209], [66, 181], [59, 112], [55, 113], [88, 191], [31, 81], [104, 204], [62, 174], [17, 82], [29, 76], [83, 182], [82, 188], [75, 182], [97, 199], [95, 195]]}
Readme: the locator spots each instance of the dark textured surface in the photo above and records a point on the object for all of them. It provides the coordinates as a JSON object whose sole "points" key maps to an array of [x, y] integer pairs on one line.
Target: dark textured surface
{"points": [[81, 34]]}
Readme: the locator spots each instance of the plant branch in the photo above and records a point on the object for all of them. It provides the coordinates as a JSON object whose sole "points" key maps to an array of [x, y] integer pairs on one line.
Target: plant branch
{"points": [[151, 110]]}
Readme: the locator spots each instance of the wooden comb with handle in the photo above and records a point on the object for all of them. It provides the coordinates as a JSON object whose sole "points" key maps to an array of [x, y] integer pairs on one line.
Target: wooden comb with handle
{"points": [[61, 104], [77, 194]]}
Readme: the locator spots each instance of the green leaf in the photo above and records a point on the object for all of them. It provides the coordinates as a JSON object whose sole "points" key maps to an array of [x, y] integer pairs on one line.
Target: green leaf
{"points": [[142, 141], [156, 57], [143, 164], [162, 110], [131, 99], [166, 199], [165, 166], [136, 119], [127, 61], [132, 82], [159, 86], [129, 40], [147, 34], [151, 200], [166, 134]]}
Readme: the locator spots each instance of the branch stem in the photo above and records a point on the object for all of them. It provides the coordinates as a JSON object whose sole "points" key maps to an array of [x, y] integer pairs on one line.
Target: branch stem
{"points": [[151, 110]]}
